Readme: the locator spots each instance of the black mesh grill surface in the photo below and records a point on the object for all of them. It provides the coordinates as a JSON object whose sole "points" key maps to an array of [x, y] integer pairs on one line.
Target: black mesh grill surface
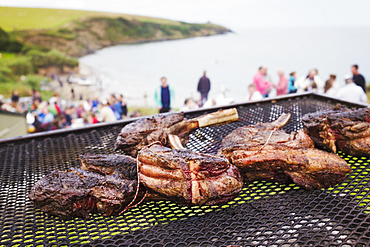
{"points": [[264, 214]]}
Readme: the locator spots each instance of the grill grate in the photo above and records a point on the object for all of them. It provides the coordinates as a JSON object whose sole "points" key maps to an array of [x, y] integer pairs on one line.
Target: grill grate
{"points": [[264, 214]]}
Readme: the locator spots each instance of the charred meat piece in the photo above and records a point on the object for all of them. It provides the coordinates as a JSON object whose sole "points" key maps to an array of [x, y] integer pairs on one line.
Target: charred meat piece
{"points": [[78, 192], [343, 129], [263, 152], [115, 163], [187, 177], [109, 164], [136, 135]]}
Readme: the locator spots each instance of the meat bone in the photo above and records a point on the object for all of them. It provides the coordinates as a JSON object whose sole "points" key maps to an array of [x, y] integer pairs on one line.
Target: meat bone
{"points": [[217, 118], [175, 142], [208, 120]]}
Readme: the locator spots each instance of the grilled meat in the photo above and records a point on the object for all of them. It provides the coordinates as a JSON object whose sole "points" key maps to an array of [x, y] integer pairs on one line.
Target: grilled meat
{"points": [[264, 152], [109, 164], [115, 163], [187, 177], [343, 129], [77, 192], [136, 135]]}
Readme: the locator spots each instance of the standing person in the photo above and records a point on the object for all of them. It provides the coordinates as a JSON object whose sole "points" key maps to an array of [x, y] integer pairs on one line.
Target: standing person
{"points": [[330, 87], [204, 85], [123, 105], [282, 86], [351, 92], [73, 94], [310, 83], [291, 87], [358, 78], [164, 96], [262, 85], [94, 104], [116, 106]]}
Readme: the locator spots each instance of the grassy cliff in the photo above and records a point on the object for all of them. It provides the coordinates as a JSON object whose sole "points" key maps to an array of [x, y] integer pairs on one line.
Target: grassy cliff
{"points": [[77, 33]]}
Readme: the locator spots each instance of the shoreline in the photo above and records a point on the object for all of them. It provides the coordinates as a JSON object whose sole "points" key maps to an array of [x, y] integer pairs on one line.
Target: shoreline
{"points": [[80, 92]]}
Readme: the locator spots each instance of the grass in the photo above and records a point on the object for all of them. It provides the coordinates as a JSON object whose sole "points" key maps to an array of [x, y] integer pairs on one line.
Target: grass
{"points": [[12, 18], [7, 88], [24, 87], [145, 111], [7, 56], [24, 90]]}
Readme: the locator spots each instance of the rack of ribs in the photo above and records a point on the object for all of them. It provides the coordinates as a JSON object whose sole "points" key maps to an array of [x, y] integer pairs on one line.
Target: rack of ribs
{"points": [[264, 152], [136, 135], [341, 128], [108, 184], [187, 177]]}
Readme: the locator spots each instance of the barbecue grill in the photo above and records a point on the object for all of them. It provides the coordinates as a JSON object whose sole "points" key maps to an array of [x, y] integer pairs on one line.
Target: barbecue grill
{"points": [[264, 214]]}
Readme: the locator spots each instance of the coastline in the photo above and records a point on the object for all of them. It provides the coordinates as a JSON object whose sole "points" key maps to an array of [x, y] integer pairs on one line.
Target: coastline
{"points": [[103, 32]]}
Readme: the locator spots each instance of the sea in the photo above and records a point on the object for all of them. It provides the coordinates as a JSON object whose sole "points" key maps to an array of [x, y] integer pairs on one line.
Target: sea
{"points": [[230, 61]]}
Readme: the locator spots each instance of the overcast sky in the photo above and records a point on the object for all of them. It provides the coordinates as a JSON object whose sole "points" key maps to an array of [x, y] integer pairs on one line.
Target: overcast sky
{"points": [[233, 14]]}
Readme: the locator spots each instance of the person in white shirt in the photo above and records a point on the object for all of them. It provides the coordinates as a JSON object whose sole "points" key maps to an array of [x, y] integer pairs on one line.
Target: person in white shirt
{"points": [[106, 113], [253, 93], [189, 104], [310, 83], [351, 92]]}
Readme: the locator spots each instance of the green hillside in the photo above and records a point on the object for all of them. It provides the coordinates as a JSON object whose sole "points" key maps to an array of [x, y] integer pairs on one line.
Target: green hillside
{"points": [[36, 41], [12, 18], [77, 33]]}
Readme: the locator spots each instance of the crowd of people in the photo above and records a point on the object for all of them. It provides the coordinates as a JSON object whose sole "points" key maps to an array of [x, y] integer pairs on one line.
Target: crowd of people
{"points": [[354, 89], [263, 87], [57, 113]]}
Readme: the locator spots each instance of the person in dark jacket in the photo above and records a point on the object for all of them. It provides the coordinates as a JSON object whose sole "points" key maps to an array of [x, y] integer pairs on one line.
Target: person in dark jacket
{"points": [[204, 85], [358, 78], [164, 96]]}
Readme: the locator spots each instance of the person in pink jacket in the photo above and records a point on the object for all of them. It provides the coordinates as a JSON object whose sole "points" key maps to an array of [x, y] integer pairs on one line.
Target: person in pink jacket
{"points": [[282, 86], [262, 84]]}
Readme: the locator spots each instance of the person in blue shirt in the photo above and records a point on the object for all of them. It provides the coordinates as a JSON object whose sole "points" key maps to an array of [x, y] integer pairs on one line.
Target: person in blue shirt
{"points": [[164, 96], [115, 106], [95, 103], [291, 87]]}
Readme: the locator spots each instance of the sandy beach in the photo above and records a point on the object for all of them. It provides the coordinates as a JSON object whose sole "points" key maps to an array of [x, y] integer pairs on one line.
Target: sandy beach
{"points": [[80, 92]]}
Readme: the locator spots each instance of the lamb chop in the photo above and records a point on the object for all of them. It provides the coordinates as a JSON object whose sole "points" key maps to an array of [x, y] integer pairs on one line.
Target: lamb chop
{"points": [[264, 152], [341, 128], [187, 177], [108, 188], [109, 164], [136, 135]]}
